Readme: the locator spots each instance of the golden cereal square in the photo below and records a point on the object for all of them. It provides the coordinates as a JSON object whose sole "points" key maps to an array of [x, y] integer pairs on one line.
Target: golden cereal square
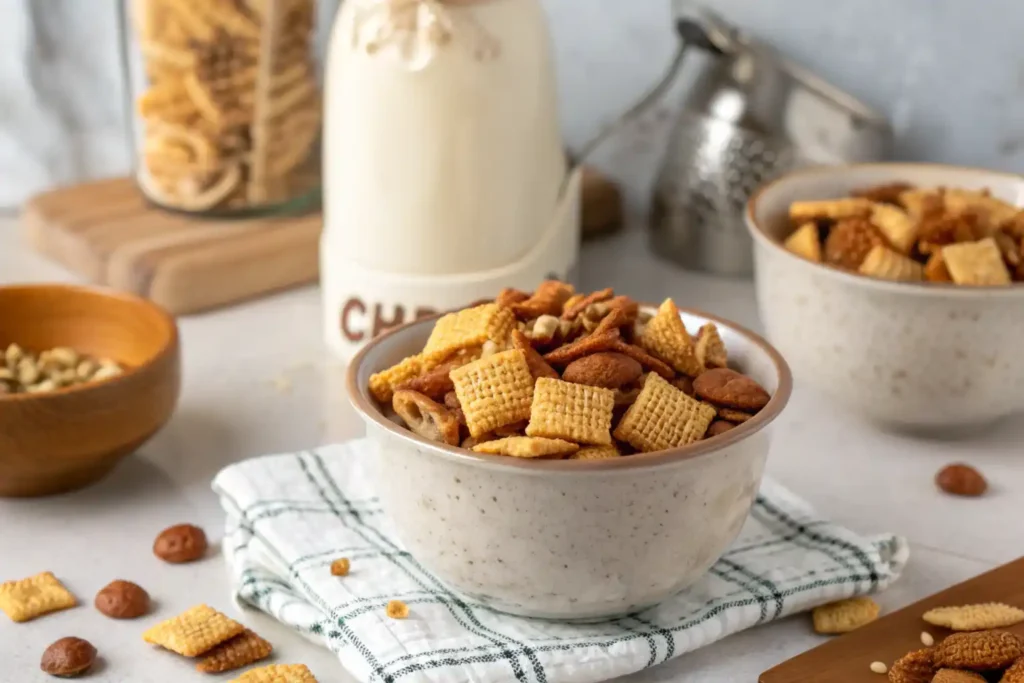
{"points": [[919, 202], [976, 263], [469, 327], [663, 417], [710, 348], [832, 209], [805, 242], [193, 632], [898, 227], [494, 391], [596, 453], [844, 616], [242, 650], [383, 383], [526, 447], [992, 211], [886, 264], [666, 337], [573, 412], [277, 673], [33, 597]]}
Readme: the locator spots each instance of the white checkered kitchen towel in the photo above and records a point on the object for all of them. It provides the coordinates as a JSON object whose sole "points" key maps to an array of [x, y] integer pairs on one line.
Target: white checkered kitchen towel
{"points": [[289, 516]]}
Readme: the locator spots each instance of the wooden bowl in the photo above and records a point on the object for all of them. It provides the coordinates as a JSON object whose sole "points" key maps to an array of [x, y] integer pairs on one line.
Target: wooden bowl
{"points": [[65, 439]]}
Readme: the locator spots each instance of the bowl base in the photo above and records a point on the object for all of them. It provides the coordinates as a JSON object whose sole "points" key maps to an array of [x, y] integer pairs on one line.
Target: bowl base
{"points": [[66, 481]]}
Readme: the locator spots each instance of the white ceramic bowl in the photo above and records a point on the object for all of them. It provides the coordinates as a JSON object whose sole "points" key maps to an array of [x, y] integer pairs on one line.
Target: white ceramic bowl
{"points": [[569, 539], [914, 356]]}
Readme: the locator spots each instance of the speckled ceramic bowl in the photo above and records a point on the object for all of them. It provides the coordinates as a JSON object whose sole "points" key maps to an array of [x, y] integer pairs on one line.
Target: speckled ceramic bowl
{"points": [[569, 539], [914, 356]]}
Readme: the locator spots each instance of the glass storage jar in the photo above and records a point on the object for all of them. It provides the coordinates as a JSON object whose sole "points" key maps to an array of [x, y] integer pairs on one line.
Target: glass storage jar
{"points": [[226, 103]]}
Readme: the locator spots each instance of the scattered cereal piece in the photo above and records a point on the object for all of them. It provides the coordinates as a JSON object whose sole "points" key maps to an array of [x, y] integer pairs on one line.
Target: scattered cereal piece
{"points": [[244, 649], [494, 391], [832, 209], [340, 567], [845, 615], [927, 639], [885, 264], [194, 631], [726, 387], [805, 242], [899, 228], [663, 417], [975, 617], [979, 650], [666, 337], [957, 676], [33, 597], [596, 453], [976, 263], [383, 384], [277, 673], [426, 417], [574, 412], [914, 667], [710, 349], [468, 327], [526, 447], [68, 657], [878, 667], [397, 609]]}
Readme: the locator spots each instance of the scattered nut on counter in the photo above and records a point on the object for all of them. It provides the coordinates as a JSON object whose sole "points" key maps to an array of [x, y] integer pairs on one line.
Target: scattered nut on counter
{"points": [[25, 372], [180, 543], [68, 657]]}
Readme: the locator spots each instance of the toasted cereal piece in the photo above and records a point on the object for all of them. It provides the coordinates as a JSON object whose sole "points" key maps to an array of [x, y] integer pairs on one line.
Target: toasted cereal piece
{"points": [[914, 667], [898, 227], [805, 242], [935, 269], [883, 194], [494, 391], [979, 650], [277, 673], [993, 212], [572, 311], [596, 453], [467, 328], [919, 203], [397, 609], [35, 596], [538, 366], [1015, 674], [886, 264], [574, 412], [666, 337], [244, 649], [526, 447], [1008, 247], [426, 417], [663, 417], [508, 297], [710, 348], [849, 242], [383, 384], [548, 299], [193, 632], [845, 615], [832, 209], [646, 360], [584, 346], [976, 263], [975, 617]]}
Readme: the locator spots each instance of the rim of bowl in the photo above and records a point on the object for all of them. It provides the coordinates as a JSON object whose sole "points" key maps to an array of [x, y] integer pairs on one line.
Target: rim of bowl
{"points": [[940, 289], [129, 373], [368, 409]]}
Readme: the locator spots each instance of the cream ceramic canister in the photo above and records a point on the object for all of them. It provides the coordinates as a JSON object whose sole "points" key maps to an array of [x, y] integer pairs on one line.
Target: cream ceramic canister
{"points": [[442, 151]]}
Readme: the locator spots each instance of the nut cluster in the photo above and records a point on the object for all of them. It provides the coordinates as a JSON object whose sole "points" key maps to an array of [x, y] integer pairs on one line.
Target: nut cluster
{"points": [[22, 371]]}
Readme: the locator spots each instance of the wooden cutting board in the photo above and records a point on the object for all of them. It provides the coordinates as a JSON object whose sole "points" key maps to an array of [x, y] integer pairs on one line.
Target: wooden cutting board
{"points": [[846, 659], [107, 233]]}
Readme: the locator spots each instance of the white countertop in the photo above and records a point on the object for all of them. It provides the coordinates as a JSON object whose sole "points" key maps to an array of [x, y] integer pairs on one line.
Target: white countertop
{"points": [[257, 380]]}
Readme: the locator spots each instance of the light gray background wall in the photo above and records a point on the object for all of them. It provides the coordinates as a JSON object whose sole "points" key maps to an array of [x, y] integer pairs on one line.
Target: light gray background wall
{"points": [[949, 73]]}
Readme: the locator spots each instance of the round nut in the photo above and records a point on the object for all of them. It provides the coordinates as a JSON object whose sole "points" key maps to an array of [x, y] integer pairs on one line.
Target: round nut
{"points": [[122, 600], [961, 480], [726, 387], [180, 543], [68, 657], [606, 369]]}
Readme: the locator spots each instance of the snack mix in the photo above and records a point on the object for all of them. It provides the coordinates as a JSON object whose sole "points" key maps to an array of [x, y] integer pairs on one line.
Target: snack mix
{"points": [[231, 115], [908, 234], [24, 372], [560, 375]]}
